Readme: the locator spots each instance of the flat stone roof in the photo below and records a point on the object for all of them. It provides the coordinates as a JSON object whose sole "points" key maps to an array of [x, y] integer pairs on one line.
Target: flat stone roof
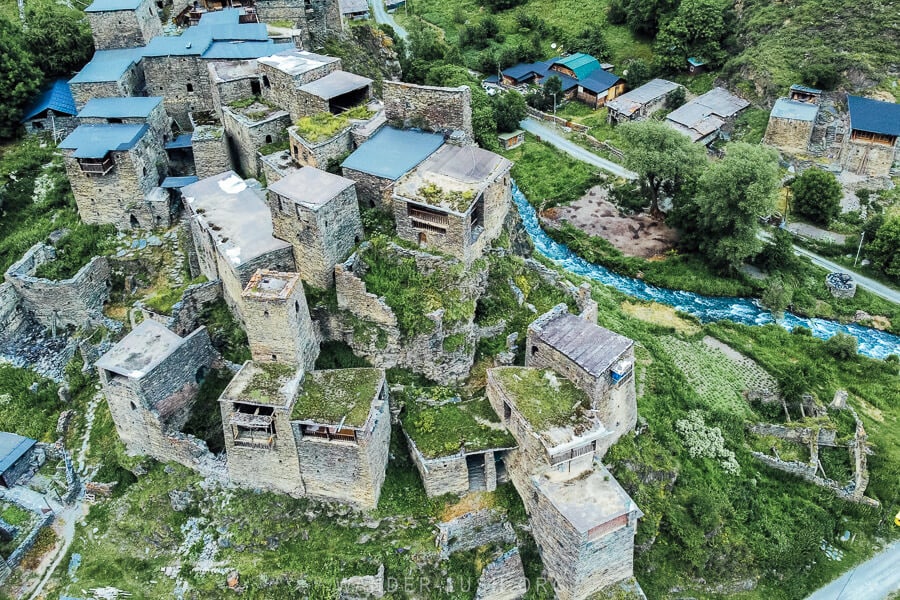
{"points": [[264, 383], [271, 285], [338, 396], [459, 173], [593, 348], [587, 501], [141, 350], [233, 70], [311, 187], [336, 83], [295, 62], [236, 215]]}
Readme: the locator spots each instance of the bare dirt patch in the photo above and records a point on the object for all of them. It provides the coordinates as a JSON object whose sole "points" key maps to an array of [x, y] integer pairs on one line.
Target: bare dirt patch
{"points": [[635, 235]]}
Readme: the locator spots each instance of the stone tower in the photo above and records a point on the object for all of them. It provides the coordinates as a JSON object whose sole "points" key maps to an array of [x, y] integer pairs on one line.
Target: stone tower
{"points": [[277, 320], [318, 214]]}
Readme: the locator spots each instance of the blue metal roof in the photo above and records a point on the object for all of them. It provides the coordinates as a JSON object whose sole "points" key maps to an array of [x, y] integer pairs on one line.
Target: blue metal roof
{"points": [[57, 98], [178, 182], [874, 116], [243, 31], [107, 65], [12, 448], [193, 42], [108, 5], [182, 141], [390, 153], [802, 88], [491, 79], [244, 50], [525, 70], [119, 108], [797, 111], [227, 16], [95, 141], [599, 81], [581, 64], [696, 62]]}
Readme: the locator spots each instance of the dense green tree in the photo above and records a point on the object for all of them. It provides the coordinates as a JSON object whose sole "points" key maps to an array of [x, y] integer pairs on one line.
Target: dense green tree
{"points": [[553, 91], [642, 16], [498, 5], [424, 48], [667, 163], [778, 256], [817, 196], [59, 38], [637, 72], [842, 346], [20, 79], [590, 41], [698, 28], [723, 219], [777, 296], [509, 109], [884, 251]]}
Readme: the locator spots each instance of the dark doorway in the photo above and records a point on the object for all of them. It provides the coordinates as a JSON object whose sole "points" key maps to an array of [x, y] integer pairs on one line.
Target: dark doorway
{"points": [[255, 87], [477, 479]]}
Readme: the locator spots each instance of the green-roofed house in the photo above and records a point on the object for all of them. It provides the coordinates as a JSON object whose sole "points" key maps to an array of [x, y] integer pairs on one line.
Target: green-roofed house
{"points": [[578, 65], [320, 434]]}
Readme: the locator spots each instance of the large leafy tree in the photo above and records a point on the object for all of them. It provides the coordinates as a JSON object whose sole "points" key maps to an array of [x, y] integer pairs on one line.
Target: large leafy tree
{"points": [[668, 164], [698, 28], [509, 109], [59, 38], [817, 196], [884, 250], [723, 219], [20, 79]]}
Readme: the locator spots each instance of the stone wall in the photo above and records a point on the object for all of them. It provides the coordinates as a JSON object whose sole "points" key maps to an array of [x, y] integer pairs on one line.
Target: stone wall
{"points": [[211, 155], [431, 108], [314, 18], [282, 87], [125, 28], [503, 578], [66, 303], [157, 120], [125, 194], [363, 587], [62, 124], [22, 549], [130, 83], [320, 154], [186, 312], [246, 137], [872, 160], [321, 237], [348, 472], [353, 296], [473, 530], [789, 135], [372, 191], [12, 316], [797, 435], [444, 475], [226, 91], [184, 83]]}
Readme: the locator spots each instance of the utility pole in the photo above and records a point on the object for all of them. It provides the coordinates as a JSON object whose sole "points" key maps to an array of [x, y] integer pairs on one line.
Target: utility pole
{"points": [[861, 236]]}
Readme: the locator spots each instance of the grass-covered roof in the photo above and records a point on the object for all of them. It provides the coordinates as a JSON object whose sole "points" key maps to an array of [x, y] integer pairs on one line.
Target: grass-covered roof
{"points": [[545, 398], [443, 430], [329, 397]]}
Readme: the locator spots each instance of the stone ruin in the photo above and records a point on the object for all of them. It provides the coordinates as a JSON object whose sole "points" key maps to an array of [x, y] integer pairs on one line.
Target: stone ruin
{"points": [[841, 285]]}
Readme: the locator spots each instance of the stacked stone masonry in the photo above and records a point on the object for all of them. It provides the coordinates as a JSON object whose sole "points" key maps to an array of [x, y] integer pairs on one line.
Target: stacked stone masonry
{"points": [[473, 530], [125, 28], [210, 147], [503, 578], [444, 110], [320, 154], [247, 135]]}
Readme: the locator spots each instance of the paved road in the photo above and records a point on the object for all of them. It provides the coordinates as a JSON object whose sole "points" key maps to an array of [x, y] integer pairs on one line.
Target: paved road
{"points": [[382, 16], [874, 579], [552, 136], [862, 281]]}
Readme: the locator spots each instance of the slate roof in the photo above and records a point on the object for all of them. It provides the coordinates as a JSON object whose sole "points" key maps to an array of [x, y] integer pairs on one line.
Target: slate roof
{"points": [[599, 81], [107, 65], [57, 98], [581, 64], [142, 350], [310, 187], [706, 114], [590, 346], [110, 5], [349, 7], [12, 448], [791, 109], [119, 108], [631, 101], [392, 152], [335, 84], [95, 141], [178, 182], [874, 116]]}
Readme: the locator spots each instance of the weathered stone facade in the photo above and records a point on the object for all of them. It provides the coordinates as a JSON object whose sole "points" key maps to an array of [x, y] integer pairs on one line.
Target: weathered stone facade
{"points": [[372, 190], [283, 73], [789, 135], [182, 80], [445, 110], [314, 18], [279, 328], [156, 118], [450, 474], [872, 159], [277, 165], [69, 302], [150, 380], [210, 146], [503, 578], [473, 530], [12, 315], [248, 130], [232, 80], [320, 154], [318, 214], [126, 28], [130, 82]]}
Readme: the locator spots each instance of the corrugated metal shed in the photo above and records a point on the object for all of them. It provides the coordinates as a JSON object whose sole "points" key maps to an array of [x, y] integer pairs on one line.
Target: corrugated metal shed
{"points": [[57, 98], [95, 141], [119, 108], [392, 152], [874, 116]]}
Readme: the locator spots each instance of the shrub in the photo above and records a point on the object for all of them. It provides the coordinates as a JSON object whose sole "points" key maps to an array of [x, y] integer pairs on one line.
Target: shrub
{"points": [[702, 441], [842, 346], [817, 196]]}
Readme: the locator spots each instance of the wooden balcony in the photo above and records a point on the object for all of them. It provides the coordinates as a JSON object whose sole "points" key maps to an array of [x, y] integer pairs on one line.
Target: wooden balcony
{"points": [[245, 441], [97, 167], [431, 218]]}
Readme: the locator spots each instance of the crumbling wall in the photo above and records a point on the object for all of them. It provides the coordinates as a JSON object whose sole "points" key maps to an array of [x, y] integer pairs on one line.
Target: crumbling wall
{"points": [[246, 137], [473, 530], [320, 154], [363, 587], [441, 109], [503, 578], [210, 146], [186, 312], [314, 18], [282, 87], [65, 303], [870, 159], [797, 435], [11, 314], [125, 28]]}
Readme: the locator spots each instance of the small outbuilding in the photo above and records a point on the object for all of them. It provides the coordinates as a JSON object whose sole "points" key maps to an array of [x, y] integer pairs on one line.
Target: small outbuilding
{"points": [[706, 117], [640, 102], [511, 140], [16, 454], [53, 111], [791, 125]]}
